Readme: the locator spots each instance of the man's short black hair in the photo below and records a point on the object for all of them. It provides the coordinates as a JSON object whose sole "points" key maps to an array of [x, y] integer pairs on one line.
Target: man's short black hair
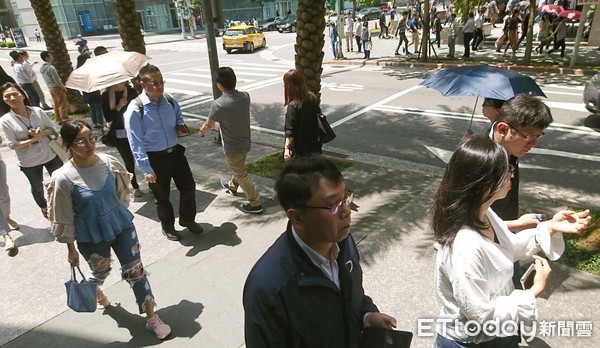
{"points": [[226, 77], [44, 55], [404, 13], [300, 178], [147, 70], [525, 111], [14, 55], [100, 50]]}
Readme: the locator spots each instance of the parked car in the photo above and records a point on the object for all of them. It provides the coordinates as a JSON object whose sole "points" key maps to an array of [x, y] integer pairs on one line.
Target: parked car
{"points": [[270, 24], [591, 95], [243, 37], [369, 13], [288, 24]]}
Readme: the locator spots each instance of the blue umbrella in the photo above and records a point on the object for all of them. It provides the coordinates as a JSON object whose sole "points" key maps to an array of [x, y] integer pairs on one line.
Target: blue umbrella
{"points": [[482, 81]]}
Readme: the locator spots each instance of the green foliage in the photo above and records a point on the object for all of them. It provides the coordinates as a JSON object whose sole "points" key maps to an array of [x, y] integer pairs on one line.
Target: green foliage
{"points": [[270, 166], [581, 251], [463, 7]]}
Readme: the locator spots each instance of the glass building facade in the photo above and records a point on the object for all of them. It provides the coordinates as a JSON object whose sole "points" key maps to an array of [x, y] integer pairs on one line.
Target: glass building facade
{"points": [[97, 17]]}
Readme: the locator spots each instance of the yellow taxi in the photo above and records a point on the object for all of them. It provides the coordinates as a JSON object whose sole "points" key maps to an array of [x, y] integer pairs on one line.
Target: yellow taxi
{"points": [[243, 37]]}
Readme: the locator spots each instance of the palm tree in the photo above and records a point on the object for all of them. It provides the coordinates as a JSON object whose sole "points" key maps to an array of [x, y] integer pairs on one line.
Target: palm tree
{"points": [[310, 40], [55, 44], [129, 26]]}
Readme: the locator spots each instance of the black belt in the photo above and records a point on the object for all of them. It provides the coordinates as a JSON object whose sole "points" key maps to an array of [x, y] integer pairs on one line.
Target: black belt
{"points": [[167, 150]]}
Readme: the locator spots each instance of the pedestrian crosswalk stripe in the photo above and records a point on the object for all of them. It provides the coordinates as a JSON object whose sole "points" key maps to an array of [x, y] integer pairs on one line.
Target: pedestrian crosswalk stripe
{"points": [[188, 82], [239, 72], [182, 91], [202, 76]]}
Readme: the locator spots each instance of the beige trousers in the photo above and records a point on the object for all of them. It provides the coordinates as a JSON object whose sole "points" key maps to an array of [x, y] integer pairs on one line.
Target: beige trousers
{"points": [[240, 178]]}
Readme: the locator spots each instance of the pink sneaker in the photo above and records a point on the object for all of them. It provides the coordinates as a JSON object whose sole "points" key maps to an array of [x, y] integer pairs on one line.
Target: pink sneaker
{"points": [[159, 328]]}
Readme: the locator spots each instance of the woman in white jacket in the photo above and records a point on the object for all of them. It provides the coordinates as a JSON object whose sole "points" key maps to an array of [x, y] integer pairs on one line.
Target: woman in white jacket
{"points": [[474, 264]]}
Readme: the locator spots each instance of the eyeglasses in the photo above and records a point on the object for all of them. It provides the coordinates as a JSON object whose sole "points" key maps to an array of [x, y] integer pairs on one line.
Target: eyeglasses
{"points": [[156, 83], [336, 207], [84, 141], [528, 138]]}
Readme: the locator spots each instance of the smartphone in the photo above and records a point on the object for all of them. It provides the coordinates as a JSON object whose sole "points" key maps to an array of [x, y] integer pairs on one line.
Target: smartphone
{"points": [[384, 338], [527, 278], [182, 130]]}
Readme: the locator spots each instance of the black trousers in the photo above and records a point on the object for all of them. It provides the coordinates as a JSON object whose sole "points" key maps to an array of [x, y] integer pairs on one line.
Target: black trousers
{"points": [[467, 37], [122, 145], [167, 166], [477, 38], [358, 43]]}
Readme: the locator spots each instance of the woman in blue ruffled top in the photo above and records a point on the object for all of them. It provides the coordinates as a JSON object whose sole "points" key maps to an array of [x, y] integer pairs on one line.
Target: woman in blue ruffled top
{"points": [[88, 199]]}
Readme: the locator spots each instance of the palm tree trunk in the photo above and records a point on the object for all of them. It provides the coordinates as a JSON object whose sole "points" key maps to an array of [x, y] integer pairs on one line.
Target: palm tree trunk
{"points": [[310, 40], [55, 44], [129, 26]]}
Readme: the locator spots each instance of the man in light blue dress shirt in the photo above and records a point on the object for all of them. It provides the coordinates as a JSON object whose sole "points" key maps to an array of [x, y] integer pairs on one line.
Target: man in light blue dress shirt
{"points": [[152, 122]]}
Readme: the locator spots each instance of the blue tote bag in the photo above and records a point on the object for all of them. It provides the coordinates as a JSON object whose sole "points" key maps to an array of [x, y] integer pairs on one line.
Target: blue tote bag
{"points": [[81, 296]]}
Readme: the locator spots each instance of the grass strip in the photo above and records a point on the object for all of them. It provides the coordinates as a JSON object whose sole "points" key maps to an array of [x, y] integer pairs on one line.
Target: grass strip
{"points": [[270, 166], [583, 251]]}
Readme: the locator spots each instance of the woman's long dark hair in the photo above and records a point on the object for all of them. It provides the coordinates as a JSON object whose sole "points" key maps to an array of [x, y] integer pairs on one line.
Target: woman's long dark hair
{"points": [[476, 171], [295, 88]]}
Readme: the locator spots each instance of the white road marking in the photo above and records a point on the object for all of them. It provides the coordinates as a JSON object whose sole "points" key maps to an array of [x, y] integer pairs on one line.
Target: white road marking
{"points": [[374, 106], [567, 106], [237, 72], [182, 91], [478, 118], [188, 82], [445, 155], [261, 129]]}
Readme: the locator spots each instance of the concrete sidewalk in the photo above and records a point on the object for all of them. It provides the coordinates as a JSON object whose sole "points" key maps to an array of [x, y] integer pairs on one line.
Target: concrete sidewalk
{"points": [[198, 282], [382, 54]]}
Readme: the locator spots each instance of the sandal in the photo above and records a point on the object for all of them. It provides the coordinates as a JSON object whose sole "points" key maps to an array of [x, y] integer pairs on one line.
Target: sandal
{"points": [[101, 299], [12, 223]]}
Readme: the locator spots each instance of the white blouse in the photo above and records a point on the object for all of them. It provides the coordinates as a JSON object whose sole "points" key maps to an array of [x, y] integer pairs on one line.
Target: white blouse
{"points": [[15, 128], [474, 277]]}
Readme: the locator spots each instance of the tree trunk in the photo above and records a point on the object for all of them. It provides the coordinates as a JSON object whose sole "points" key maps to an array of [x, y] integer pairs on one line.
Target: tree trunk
{"points": [[310, 40], [129, 26], [426, 33], [529, 37], [55, 44]]}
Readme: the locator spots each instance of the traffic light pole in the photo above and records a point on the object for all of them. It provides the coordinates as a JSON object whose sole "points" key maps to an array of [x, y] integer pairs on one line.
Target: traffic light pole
{"points": [[180, 13]]}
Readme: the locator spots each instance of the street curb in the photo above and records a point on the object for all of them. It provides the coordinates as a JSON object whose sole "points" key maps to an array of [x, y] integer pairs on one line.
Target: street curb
{"points": [[528, 68]]}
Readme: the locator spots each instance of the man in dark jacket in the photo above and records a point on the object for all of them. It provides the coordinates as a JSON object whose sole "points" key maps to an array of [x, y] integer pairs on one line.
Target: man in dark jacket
{"points": [[306, 290]]}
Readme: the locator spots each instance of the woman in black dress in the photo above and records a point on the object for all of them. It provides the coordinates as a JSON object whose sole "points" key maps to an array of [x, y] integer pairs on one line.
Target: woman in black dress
{"points": [[114, 103], [301, 125]]}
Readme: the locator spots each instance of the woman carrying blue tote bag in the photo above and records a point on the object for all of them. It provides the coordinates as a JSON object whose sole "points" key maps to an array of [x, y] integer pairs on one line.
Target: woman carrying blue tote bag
{"points": [[81, 296]]}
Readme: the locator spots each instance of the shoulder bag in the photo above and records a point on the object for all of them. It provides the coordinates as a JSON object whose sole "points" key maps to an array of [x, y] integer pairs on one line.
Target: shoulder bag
{"points": [[81, 296], [56, 144], [326, 133]]}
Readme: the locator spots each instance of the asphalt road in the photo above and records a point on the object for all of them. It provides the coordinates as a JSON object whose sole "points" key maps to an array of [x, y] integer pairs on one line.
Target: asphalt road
{"points": [[384, 111]]}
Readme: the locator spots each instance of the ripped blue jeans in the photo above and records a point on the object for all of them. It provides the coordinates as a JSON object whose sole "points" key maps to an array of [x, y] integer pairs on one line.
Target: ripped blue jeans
{"points": [[127, 249]]}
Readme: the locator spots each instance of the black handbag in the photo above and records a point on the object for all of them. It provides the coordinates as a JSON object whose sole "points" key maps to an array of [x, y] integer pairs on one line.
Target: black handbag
{"points": [[326, 133], [109, 138], [81, 296]]}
